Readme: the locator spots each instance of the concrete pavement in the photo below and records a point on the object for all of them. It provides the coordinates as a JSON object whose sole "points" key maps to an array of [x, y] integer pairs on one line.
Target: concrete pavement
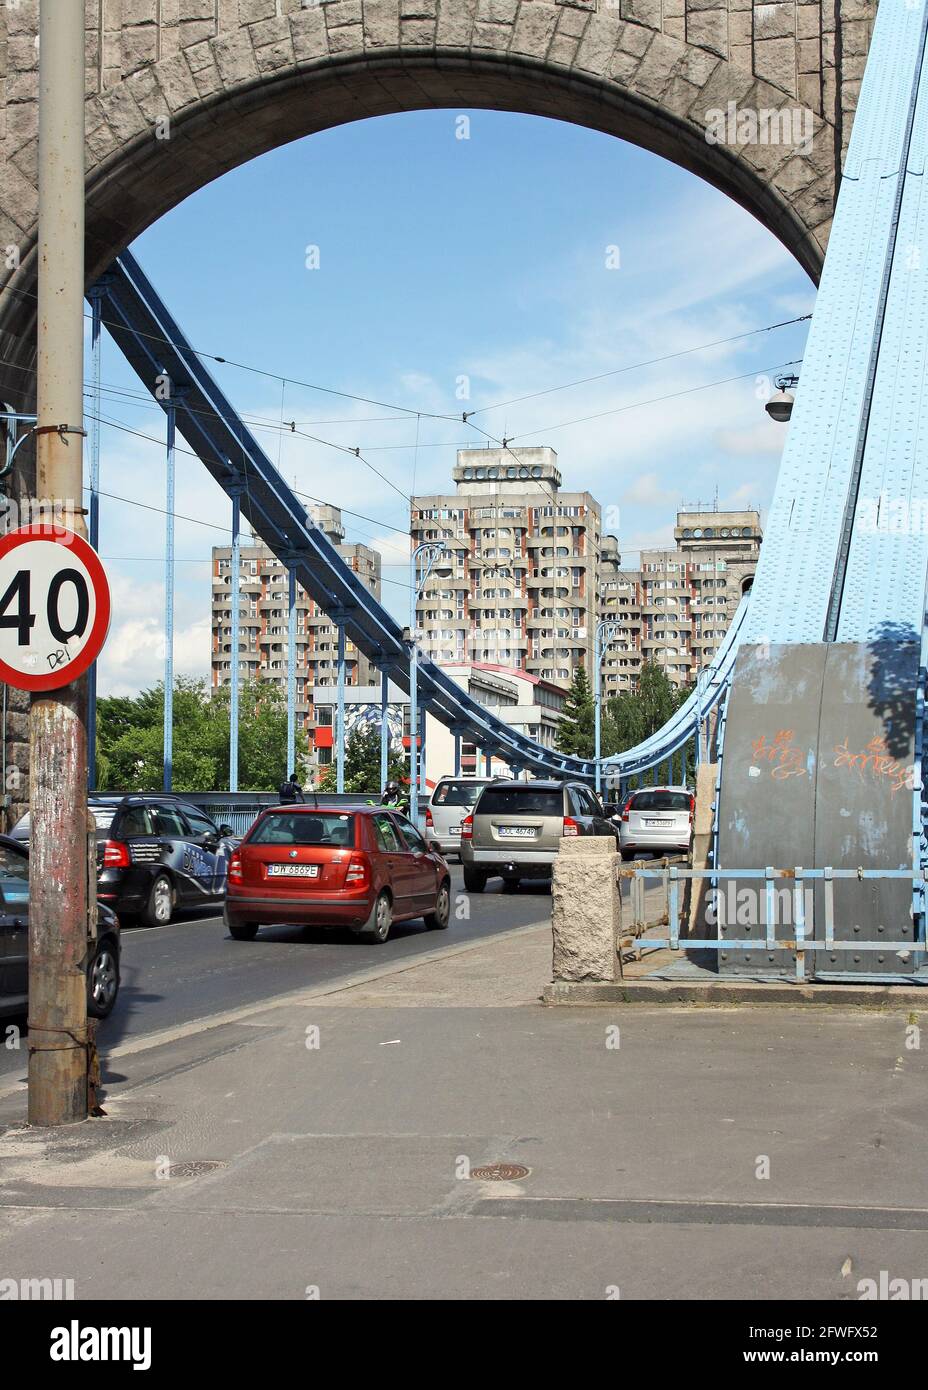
{"points": [[672, 1152]]}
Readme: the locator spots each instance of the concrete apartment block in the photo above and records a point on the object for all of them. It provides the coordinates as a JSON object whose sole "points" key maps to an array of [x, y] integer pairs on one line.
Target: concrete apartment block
{"points": [[676, 607], [263, 619], [524, 592]]}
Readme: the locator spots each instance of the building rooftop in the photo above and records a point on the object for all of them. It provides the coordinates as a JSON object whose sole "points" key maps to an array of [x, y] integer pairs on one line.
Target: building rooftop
{"points": [[478, 469]]}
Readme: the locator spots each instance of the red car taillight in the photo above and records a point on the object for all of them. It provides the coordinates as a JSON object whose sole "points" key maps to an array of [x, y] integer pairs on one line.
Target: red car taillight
{"points": [[235, 869], [357, 873], [570, 827], [467, 828], [429, 822], [116, 855]]}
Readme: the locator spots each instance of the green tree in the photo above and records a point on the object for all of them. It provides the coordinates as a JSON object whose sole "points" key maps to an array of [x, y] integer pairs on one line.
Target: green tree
{"points": [[130, 738], [575, 733], [362, 763], [633, 716]]}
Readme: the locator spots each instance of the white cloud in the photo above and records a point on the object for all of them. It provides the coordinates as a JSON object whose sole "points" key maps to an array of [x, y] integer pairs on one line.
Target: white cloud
{"points": [[649, 490], [762, 438]]}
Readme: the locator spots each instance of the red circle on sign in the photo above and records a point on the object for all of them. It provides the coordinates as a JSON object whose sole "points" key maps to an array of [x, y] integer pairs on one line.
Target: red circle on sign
{"points": [[72, 543]]}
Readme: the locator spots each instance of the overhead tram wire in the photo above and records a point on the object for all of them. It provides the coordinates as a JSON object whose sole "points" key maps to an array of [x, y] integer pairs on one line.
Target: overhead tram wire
{"points": [[635, 366], [197, 521], [466, 415], [465, 419], [656, 400], [153, 439], [343, 448], [411, 410]]}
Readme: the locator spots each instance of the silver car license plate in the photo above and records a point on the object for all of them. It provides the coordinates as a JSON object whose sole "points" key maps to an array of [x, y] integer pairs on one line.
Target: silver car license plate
{"points": [[659, 824], [454, 830], [517, 832], [293, 870]]}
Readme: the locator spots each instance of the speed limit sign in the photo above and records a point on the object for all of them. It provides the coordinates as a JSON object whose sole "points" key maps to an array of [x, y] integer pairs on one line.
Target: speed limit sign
{"points": [[54, 607]]}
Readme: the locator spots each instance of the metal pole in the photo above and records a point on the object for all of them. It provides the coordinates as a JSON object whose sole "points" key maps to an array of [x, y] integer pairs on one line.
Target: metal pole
{"points": [[340, 722], [423, 779], [233, 694], [384, 728], [413, 722], [58, 865], [597, 698], [488, 762], [96, 353], [605, 631], [169, 605], [430, 550], [291, 675], [457, 755], [414, 684]]}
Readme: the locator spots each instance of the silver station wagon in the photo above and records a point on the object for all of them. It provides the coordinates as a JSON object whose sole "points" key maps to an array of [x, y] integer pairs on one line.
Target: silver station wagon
{"points": [[451, 801]]}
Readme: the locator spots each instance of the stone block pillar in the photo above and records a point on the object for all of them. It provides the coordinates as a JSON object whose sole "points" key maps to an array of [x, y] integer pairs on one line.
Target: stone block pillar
{"points": [[706, 790], [585, 909]]}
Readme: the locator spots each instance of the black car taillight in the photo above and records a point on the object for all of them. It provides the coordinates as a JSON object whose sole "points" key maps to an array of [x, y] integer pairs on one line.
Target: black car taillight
{"points": [[116, 855]]}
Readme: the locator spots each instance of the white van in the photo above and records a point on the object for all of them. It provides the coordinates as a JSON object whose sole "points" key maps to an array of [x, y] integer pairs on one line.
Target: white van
{"points": [[452, 800]]}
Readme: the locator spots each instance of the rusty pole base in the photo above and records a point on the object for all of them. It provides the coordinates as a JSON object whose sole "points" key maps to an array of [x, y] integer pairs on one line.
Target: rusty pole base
{"points": [[57, 1085]]}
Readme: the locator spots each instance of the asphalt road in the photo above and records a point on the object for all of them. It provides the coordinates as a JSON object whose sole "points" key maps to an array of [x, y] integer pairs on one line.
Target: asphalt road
{"points": [[192, 968]]}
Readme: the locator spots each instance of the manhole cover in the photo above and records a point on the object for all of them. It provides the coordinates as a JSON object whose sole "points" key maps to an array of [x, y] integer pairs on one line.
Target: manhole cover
{"points": [[196, 1168], [500, 1172]]}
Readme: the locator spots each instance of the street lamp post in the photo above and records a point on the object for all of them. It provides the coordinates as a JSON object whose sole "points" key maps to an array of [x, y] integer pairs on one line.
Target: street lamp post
{"points": [[421, 565], [702, 686], [606, 631]]}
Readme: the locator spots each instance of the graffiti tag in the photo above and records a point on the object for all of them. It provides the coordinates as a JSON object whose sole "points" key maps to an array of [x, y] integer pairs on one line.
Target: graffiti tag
{"points": [[878, 762], [784, 755]]}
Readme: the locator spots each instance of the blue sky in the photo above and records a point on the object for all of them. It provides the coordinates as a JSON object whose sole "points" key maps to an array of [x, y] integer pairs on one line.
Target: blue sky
{"points": [[440, 258]]}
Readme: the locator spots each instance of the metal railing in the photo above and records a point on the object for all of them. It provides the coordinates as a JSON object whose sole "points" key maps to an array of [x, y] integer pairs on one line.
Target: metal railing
{"points": [[804, 923]]}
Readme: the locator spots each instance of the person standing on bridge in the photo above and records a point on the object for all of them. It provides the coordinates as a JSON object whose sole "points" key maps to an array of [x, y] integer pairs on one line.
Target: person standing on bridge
{"points": [[291, 793]]}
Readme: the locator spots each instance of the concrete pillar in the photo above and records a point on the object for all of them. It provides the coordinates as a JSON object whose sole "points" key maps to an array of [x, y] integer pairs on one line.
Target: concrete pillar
{"points": [[585, 909]]}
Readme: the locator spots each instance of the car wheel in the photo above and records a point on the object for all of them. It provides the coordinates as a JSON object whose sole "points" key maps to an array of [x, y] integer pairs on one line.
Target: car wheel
{"points": [[377, 927], [102, 981], [510, 885], [242, 931], [439, 919], [474, 880], [160, 906]]}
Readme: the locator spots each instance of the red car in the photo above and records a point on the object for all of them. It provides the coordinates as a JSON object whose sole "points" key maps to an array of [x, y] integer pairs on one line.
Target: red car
{"points": [[363, 867]]}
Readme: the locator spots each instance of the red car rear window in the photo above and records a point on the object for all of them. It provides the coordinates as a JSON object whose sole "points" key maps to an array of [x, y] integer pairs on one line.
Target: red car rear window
{"points": [[303, 828]]}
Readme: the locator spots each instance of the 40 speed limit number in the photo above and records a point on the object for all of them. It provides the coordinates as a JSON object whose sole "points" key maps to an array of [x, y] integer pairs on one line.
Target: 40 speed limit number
{"points": [[54, 607]]}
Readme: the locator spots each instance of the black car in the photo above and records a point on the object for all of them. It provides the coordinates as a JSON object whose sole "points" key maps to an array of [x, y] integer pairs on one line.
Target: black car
{"points": [[155, 853], [103, 961]]}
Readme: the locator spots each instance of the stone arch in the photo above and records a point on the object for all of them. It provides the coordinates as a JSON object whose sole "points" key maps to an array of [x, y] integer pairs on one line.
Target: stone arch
{"points": [[180, 91]]}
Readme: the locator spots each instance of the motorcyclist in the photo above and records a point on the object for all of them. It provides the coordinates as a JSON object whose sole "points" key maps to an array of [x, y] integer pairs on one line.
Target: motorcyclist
{"points": [[394, 795]]}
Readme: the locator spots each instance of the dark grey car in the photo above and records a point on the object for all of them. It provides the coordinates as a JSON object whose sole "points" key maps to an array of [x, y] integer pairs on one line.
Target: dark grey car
{"points": [[103, 958], [155, 853], [515, 829]]}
